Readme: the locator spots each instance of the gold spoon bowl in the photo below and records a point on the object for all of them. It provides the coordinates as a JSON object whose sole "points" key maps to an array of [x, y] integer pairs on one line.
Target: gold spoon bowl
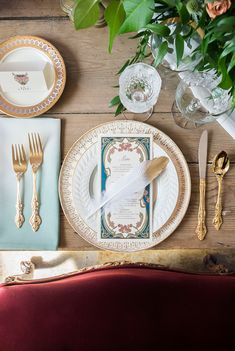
{"points": [[220, 167]]}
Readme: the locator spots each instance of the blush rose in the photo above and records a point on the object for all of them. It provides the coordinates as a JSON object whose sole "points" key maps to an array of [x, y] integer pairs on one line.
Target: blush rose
{"points": [[217, 8]]}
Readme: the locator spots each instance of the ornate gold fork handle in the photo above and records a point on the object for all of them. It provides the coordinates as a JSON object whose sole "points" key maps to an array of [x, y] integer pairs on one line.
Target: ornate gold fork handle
{"points": [[35, 219], [218, 220], [201, 229], [19, 217]]}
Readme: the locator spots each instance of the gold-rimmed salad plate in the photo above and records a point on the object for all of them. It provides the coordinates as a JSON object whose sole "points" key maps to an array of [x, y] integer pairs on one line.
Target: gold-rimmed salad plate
{"points": [[32, 49]]}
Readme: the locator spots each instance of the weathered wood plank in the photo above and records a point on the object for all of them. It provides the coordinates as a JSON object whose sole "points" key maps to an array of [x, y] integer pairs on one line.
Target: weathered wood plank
{"points": [[73, 126], [91, 70], [30, 8]]}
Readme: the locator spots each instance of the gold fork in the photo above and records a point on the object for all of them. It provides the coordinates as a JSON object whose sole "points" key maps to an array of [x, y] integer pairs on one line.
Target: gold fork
{"points": [[35, 158], [19, 162]]}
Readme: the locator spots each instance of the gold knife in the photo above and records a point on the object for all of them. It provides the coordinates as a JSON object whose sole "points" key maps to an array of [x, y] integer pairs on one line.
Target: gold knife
{"points": [[201, 229]]}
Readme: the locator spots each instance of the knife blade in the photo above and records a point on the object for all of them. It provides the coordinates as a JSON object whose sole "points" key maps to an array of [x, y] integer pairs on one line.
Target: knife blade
{"points": [[201, 229], [202, 154]]}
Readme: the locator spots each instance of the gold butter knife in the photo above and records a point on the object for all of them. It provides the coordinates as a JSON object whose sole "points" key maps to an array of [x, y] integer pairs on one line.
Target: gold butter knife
{"points": [[201, 229]]}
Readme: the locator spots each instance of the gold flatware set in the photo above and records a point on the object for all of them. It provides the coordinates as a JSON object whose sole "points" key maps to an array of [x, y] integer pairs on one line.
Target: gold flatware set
{"points": [[220, 167], [19, 162]]}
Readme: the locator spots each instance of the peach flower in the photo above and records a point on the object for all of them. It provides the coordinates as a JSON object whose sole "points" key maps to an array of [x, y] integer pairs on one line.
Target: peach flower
{"points": [[218, 7]]}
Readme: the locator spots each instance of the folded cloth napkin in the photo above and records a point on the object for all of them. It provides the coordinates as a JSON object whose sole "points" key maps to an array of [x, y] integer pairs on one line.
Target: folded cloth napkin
{"points": [[228, 123], [15, 131]]}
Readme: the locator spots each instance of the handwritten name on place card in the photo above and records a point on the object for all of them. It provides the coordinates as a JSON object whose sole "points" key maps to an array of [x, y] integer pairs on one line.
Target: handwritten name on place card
{"points": [[25, 76]]}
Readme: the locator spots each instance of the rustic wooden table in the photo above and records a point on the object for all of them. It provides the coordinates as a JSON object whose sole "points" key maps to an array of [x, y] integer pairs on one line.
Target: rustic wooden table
{"points": [[84, 104]]}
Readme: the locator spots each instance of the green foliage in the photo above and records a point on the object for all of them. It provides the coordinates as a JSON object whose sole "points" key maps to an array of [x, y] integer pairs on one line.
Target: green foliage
{"points": [[152, 17], [138, 14], [183, 12], [192, 6], [159, 29], [119, 109], [86, 13], [114, 16], [179, 47], [163, 48], [115, 101]]}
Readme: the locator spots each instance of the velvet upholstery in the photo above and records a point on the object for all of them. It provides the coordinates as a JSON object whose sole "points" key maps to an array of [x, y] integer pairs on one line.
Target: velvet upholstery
{"points": [[118, 309]]}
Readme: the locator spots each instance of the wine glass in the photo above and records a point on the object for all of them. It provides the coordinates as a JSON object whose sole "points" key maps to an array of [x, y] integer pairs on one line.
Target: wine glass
{"points": [[139, 88], [67, 6], [200, 100]]}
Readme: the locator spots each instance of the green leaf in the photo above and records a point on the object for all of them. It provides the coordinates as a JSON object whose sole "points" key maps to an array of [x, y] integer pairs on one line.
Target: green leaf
{"points": [[138, 15], [232, 63], [203, 19], [138, 35], [115, 101], [124, 66], [114, 16], [119, 109], [183, 12], [179, 47], [86, 13], [225, 25], [161, 52], [170, 3], [226, 82], [228, 50], [233, 98], [159, 29]]}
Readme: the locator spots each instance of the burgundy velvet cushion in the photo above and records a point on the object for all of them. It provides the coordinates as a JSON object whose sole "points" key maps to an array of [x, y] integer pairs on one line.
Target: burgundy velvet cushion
{"points": [[120, 309]]}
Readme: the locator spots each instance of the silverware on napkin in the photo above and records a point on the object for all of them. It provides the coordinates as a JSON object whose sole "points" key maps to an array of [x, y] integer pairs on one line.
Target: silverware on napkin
{"points": [[19, 163], [201, 229], [36, 159]]}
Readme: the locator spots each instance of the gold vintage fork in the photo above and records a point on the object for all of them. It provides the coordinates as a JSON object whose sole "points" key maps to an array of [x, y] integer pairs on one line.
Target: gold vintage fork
{"points": [[35, 158], [19, 162]]}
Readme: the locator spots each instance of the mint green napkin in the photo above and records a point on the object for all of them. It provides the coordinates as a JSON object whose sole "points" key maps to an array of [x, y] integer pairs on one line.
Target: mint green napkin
{"points": [[15, 131]]}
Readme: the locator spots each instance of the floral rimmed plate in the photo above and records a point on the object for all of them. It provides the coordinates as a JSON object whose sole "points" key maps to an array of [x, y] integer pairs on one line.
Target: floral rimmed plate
{"points": [[31, 49], [78, 185]]}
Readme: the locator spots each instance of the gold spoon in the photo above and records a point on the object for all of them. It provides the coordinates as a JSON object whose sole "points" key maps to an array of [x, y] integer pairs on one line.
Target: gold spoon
{"points": [[220, 167]]}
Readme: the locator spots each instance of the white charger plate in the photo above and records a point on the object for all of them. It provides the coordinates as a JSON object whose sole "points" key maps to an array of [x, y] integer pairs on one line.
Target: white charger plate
{"points": [[31, 48], [78, 185]]}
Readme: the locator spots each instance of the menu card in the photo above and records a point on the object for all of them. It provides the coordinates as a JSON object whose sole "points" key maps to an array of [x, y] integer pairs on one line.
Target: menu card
{"points": [[130, 218]]}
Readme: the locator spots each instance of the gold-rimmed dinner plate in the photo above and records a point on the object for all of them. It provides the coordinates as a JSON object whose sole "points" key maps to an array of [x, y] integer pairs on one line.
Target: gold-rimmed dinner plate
{"points": [[31, 49], [78, 185]]}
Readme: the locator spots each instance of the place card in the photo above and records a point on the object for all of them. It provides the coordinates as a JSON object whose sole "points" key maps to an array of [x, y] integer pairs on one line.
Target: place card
{"points": [[25, 76], [128, 219]]}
